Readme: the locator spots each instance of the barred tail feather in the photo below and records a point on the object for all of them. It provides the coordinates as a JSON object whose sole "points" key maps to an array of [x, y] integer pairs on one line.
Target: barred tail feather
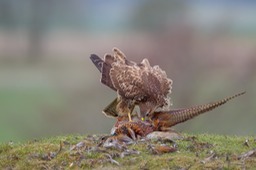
{"points": [[173, 117], [186, 114]]}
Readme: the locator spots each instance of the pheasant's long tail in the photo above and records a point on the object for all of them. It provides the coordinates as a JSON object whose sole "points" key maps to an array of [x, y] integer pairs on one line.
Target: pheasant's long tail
{"points": [[173, 117]]}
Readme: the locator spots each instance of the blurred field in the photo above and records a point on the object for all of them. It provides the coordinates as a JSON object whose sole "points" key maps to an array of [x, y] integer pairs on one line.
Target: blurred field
{"points": [[48, 86]]}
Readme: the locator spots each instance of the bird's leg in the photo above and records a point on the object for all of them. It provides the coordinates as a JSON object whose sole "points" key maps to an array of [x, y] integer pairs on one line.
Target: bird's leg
{"points": [[130, 112], [129, 116]]}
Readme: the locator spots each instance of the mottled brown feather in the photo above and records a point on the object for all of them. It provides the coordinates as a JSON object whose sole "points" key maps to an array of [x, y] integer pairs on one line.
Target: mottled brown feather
{"points": [[135, 83]]}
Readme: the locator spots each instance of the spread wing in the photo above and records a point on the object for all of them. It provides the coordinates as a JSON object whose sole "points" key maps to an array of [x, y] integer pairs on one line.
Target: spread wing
{"points": [[105, 65], [166, 83], [135, 81], [164, 89]]}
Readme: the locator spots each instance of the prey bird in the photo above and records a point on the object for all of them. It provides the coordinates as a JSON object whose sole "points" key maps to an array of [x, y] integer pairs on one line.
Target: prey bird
{"points": [[125, 131], [136, 84], [163, 121]]}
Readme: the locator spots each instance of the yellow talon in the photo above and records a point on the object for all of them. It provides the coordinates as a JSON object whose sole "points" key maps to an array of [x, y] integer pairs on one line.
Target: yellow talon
{"points": [[129, 116]]}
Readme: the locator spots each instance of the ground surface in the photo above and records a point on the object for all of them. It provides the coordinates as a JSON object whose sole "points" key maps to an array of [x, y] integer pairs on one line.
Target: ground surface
{"points": [[85, 152]]}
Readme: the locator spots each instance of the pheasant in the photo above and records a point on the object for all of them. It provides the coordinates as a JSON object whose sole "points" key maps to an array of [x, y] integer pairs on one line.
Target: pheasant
{"points": [[162, 121]]}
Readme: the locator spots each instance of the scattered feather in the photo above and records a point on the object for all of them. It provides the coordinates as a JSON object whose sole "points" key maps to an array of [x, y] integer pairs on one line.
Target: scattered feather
{"points": [[251, 153]]}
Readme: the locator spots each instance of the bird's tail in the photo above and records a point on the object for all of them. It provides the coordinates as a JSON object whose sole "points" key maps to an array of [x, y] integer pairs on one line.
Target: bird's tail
{"points": [[162, 120], [110, 110]]}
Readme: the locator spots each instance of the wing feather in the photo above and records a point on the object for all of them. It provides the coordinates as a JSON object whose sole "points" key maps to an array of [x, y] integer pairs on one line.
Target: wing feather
{"points": [[97, 61], [127, 80], [105, 73], [135, 81]]}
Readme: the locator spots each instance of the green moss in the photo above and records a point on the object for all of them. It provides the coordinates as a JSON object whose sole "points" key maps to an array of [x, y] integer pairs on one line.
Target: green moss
{"points": [[192, 152]]}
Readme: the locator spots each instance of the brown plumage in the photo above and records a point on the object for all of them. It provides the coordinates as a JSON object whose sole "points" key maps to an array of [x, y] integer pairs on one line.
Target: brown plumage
{"points": [[136, 84], [163, 121], [104, 66], [134, 129], [124, 131]]}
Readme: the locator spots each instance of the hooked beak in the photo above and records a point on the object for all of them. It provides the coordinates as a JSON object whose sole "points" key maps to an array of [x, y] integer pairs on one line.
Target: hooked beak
{"points": [[148, 113], [144, 116], [151, 111]]}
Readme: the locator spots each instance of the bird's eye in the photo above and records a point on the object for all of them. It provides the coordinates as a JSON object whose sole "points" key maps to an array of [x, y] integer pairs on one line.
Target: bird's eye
{"points": [[103, 138]]}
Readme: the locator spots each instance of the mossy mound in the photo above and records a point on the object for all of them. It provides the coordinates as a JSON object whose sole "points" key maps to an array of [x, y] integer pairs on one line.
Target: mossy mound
{"points": [[201, 151]]}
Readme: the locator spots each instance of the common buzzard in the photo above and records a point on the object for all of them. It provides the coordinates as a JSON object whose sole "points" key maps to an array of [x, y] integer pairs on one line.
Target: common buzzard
{"points": [[136, 83]]}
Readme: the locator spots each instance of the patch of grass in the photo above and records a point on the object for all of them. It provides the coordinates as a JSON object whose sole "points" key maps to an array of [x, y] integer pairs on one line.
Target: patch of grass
{"points": [[202, 151]]}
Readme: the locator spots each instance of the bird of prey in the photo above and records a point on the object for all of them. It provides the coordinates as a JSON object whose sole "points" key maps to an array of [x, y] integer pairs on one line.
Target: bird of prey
{"points": [[136, 84]]}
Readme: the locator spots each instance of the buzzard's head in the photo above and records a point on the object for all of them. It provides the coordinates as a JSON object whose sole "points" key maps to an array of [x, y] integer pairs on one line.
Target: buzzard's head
{"points": [[154, 104]]}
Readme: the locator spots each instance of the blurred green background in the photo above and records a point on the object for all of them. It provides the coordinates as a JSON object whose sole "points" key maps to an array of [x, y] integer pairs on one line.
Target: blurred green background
{"points": [[48, 85]]}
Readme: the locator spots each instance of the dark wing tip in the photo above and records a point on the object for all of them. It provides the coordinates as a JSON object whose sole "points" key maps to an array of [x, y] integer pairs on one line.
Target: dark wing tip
{"points": [[94, 56], [97, 61]]}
